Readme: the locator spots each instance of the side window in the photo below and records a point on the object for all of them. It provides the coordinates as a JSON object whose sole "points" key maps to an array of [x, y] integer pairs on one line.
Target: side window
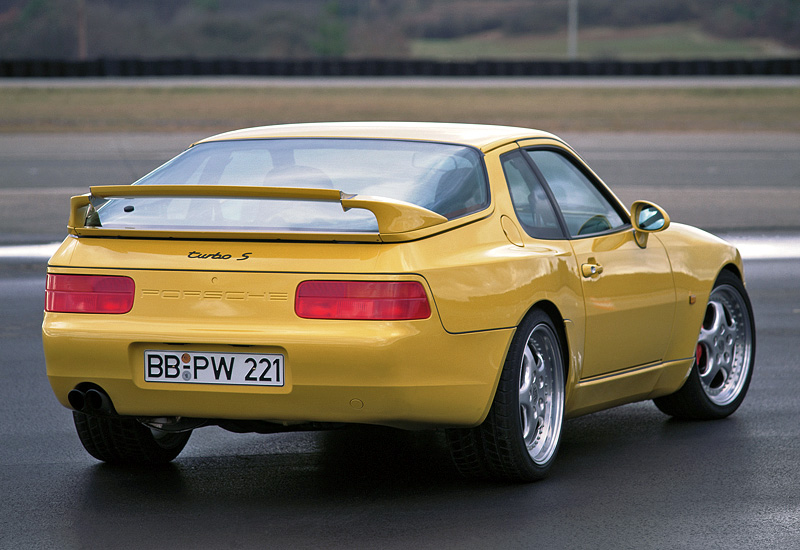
{"points": [[534, 210], [583, 206]]}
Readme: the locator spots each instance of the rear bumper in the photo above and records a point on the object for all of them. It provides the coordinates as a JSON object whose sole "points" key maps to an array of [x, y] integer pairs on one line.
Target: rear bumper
{"points": [[404, 374]]}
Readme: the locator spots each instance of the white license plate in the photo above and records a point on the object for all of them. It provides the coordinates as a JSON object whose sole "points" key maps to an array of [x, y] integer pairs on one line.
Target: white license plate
{"points": [[194, 367]]}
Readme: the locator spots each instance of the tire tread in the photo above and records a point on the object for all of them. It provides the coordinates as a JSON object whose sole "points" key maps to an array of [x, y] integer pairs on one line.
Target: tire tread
{"points": [[126, 441], [504, 454]]}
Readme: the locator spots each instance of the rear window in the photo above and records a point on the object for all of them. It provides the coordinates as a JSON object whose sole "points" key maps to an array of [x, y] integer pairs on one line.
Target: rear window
{"points": [[447, 179]]}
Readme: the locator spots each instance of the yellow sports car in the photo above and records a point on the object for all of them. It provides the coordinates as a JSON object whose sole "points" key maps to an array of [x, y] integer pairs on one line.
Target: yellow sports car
{"points": [[480, 279]]}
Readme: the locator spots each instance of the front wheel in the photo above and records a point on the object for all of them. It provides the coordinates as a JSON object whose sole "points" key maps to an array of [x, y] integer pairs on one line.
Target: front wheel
{"points": [[724, 357], [126, 441], [520, 437]]}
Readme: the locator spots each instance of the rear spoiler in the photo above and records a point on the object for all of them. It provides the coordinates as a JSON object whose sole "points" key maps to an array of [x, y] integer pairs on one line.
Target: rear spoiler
{"points": [[394, 217]]}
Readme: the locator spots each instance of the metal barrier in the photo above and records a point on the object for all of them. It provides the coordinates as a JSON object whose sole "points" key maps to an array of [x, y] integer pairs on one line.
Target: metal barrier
{"points": [[45, 68]]}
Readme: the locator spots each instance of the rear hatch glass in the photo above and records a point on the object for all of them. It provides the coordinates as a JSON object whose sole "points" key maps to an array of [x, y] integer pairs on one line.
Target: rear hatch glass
{"points": [[447, 179]]}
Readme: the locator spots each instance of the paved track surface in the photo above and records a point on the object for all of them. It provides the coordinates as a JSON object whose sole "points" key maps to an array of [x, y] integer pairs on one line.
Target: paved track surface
{"points": [[409, 82], [720, 182], [627, 478]]}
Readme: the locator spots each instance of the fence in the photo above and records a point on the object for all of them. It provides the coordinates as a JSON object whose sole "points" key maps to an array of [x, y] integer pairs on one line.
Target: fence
{"points": [[43, 68]]}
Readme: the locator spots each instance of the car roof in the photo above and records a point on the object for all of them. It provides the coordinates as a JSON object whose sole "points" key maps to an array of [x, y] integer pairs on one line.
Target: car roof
{"points": [[482, 136]]}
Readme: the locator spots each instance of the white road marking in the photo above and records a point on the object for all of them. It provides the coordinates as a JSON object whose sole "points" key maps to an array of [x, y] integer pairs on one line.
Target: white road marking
{"points": [[29, 251], [778, 247]]}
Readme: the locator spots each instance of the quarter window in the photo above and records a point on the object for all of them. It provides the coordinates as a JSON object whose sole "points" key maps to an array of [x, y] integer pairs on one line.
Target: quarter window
{"points": [[533, 208]]}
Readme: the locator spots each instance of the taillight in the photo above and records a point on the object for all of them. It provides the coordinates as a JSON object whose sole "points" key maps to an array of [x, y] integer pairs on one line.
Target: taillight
{"points": [[362, 300], [89, 294]]}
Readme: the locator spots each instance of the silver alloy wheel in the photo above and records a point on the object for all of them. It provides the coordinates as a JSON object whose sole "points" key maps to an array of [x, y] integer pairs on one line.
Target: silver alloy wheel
{"points": [[541, 394], [725, 346]]}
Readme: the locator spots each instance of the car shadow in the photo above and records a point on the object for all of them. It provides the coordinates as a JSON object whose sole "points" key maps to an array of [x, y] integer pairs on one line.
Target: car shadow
{"points": [[337, 486]]}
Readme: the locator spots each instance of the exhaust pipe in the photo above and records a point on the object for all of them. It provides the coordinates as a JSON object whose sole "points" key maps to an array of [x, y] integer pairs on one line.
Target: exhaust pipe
{"points": [[92, 401], [97, 401], [77, 399]]}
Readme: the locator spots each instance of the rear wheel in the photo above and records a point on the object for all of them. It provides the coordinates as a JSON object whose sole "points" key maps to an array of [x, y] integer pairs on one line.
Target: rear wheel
{"points": [[724, 357], [466, 450], [127, 441], [520, 437]]}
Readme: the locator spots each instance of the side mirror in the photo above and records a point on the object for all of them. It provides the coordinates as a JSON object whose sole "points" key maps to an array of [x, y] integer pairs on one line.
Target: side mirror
{"points": [[647, 218]]}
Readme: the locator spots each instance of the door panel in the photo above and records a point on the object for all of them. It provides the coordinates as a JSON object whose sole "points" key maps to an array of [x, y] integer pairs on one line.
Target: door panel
{"points": [[628, 291], [630, 302]]}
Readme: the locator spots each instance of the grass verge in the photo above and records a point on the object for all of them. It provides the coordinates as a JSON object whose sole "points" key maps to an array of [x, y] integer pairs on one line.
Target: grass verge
{"points": [[675, 41], [163, 109]]}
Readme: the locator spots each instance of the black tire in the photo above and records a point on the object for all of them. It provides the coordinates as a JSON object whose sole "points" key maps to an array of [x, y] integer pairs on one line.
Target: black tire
{"points": [[724, 357], [466, 451], [519, 439], [125, 441]]}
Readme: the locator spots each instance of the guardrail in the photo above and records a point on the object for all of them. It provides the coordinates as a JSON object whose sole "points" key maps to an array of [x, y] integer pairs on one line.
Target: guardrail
{"points": [[45, 68]]}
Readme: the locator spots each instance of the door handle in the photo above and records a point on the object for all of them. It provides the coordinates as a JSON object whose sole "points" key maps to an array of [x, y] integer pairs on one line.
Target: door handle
{"points": [[590, 270]]}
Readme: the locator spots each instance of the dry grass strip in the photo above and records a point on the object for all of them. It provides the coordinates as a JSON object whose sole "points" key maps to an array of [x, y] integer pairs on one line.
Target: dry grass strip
{"points": [[210, 110]]}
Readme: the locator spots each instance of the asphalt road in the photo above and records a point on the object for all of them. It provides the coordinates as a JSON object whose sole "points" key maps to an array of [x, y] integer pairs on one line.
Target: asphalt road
{"points": [[710, 82], [720, 182], [627, 478]]}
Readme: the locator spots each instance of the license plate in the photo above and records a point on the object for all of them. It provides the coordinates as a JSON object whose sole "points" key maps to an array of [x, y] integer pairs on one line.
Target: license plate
{"points": [[193, 367]]}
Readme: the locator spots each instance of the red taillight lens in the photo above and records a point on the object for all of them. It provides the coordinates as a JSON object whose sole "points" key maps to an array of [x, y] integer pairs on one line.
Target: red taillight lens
{"points": [[362, 300], [89, 294]]}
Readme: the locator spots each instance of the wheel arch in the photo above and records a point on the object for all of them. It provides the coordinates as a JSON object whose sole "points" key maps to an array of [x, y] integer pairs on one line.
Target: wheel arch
{"points": [[507, 438], [733, 269], [552, 311], [693, 400]]}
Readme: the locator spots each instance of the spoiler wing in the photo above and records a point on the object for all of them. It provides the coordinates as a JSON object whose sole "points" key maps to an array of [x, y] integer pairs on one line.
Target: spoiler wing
{"points": [[394, 217]]}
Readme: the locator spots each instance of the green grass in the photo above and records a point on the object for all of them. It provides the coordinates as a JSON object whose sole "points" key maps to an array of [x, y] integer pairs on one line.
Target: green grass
{"points": [[216, 109], [680, 41]]}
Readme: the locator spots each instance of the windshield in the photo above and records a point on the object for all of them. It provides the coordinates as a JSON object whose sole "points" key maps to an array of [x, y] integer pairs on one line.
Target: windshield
{"points": [[447, 179]]}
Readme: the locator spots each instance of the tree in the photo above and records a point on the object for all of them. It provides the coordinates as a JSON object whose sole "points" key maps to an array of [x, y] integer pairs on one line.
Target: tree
{"points": [[331, 33]]}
